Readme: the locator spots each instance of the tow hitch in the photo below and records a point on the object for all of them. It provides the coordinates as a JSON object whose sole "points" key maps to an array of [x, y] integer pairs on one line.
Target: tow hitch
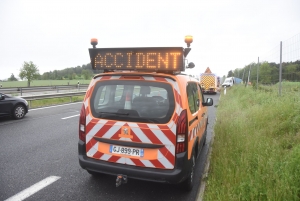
{"points": [[121, 179]]}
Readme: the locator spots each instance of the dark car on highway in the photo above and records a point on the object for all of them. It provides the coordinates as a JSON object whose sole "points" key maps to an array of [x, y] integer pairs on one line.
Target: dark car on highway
{"points": [[13, 106]]}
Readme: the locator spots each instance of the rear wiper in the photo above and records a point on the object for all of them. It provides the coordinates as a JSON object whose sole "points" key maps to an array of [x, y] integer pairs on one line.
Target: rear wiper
{"points": [[114, 113]]}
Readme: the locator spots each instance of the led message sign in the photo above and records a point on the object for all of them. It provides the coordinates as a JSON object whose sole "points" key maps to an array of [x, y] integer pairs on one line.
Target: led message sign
{"points": [[148, 59]]}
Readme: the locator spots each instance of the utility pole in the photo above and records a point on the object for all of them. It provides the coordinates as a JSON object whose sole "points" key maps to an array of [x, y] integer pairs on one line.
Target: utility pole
{"points": [[243, 74], [280, 68], [257, 73], [249, 75]]}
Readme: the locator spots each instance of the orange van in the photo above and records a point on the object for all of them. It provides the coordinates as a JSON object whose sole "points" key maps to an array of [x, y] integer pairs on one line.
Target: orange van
{"points": [[142, 118]]}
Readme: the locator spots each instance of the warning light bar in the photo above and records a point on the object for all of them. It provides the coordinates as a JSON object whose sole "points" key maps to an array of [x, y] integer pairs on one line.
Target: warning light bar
{"points": [[140, 58]]}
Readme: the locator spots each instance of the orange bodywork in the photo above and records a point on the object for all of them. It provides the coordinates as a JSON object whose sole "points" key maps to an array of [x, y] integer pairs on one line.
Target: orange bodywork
{"points": [[197, 128], [196, 121]]}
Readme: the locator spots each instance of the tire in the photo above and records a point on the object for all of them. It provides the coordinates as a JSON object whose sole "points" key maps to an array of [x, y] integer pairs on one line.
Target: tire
{"points": [[205, 134], [19, 112], [204, 137], [188, 184]]}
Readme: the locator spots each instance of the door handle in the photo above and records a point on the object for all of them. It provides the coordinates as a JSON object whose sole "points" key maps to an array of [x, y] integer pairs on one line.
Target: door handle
{"points": [[203, 114]]}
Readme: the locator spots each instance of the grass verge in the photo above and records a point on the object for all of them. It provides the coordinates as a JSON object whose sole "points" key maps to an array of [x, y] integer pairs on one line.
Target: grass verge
{"points": [[256, 150], [54, 101]]}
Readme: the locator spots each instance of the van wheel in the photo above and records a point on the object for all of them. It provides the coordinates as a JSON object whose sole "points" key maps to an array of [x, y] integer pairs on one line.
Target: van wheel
{"points": [[189, 182], [204, 137]]}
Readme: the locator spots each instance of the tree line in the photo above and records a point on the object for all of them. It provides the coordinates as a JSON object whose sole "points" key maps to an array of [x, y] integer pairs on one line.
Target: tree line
{"points": [[80, 72], [30, 72], [268, 73]]}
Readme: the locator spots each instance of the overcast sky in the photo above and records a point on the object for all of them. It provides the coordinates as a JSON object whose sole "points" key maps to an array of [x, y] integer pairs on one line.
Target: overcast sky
{"points": [[228, 34]]}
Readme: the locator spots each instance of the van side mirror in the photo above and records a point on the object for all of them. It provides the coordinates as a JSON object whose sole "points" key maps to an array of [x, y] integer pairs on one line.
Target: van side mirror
{"points": [[191, 65], [208, 102]]}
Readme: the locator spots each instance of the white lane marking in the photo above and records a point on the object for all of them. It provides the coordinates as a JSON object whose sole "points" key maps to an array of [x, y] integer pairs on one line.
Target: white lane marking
{"points": [[42, 108], [33, 189], [70, 116]]}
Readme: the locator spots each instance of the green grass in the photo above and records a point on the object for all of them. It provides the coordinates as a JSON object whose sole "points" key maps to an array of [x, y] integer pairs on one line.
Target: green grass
{"points": [[42, 83], [256, 149], [286, 87], [54, 101]]}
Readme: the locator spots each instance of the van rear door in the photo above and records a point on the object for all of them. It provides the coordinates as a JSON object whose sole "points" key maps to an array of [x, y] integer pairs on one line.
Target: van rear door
{"points": [[131, 120]]}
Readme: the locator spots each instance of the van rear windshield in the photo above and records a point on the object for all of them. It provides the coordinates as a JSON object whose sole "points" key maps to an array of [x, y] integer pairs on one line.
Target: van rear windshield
{"points": [[133, 101]]}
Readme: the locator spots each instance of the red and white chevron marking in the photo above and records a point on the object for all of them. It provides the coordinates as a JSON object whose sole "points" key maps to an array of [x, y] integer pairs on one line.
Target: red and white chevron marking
{"points": [[141, 132], [193, 132]]}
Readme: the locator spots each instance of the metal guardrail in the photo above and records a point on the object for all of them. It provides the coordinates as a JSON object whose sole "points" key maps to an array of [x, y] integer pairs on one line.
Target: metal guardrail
{"points": [[48, 96], [55, 89]]}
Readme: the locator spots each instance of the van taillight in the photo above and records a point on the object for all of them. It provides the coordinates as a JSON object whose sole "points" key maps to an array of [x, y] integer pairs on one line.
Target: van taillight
{"points": [[181, 132], [82, 124]]}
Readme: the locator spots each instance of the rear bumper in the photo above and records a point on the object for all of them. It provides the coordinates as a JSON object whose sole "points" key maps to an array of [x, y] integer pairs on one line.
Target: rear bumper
{"points": [[176, 175]]}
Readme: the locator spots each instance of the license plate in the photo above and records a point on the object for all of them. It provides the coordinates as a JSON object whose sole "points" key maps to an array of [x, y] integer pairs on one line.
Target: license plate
{"points": [[126, 151]]}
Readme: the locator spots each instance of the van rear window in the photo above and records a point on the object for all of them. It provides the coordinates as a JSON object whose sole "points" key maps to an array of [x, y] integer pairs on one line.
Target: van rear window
{"points": [[133, 101]]}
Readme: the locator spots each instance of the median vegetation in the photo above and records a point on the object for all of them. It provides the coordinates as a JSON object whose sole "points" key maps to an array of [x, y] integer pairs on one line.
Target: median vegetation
{"points": [[54, 101], [256, 149]]}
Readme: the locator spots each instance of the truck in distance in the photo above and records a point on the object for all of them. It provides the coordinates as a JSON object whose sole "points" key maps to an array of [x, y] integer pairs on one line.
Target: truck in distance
{"points": [[209, 82]]}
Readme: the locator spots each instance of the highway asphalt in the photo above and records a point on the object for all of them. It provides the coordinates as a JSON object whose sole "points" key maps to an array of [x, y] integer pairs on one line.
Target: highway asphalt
{"points": [[39, 161]]}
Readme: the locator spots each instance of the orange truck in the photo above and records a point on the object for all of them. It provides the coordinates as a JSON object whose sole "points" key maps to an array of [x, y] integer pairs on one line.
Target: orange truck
{"points": [[209, 82]]}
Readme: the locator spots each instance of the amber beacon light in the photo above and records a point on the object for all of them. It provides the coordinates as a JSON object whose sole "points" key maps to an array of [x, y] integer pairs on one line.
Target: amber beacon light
{"points": [[188, 40], [94, 42]]}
